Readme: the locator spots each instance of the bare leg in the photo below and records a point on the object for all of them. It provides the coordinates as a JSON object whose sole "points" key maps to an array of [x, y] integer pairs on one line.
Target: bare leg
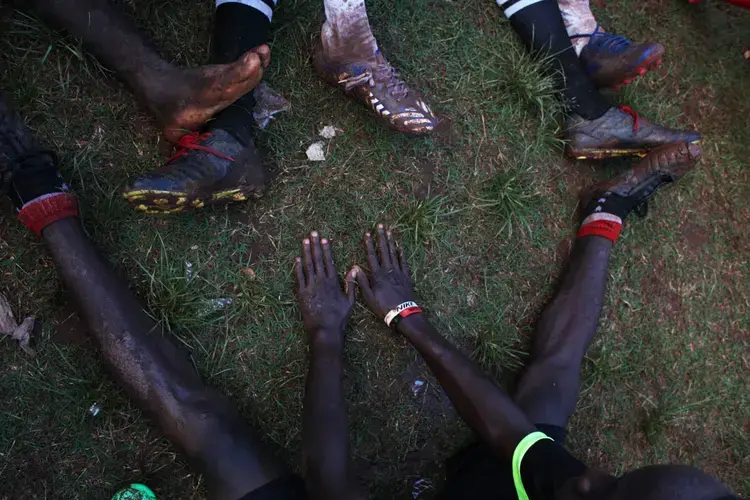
{"points": [[579, 20], [346, 31], [181, 99], [548, 390], [158, 375]]}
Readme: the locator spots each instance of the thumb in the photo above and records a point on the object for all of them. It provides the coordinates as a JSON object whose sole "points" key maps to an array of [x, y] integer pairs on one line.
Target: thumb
{"points": [[364, 286], [351, 284]]}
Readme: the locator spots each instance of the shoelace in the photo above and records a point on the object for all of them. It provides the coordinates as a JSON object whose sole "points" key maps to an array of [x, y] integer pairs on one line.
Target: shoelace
{"points": [[629, 110], [190, 142], [382, 72], [609, 42], [396, 86]]}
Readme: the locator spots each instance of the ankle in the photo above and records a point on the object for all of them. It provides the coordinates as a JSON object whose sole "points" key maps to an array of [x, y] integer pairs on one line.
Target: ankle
{"points": [[45, 210], [348, 39], [156, 84]]}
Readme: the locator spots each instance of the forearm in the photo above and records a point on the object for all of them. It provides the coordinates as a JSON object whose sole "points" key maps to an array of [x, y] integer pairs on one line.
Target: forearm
{"points": [[326, 441], [156, 374], [483, 405]]}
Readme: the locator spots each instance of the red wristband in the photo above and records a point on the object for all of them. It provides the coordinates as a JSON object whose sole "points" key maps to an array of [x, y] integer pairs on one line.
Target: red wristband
{"points": [[405, 314], [40, 213]]}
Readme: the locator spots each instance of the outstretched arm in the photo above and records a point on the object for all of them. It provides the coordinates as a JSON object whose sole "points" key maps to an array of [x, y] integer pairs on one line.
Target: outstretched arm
{"points": [[485, 407], [326, 310]]}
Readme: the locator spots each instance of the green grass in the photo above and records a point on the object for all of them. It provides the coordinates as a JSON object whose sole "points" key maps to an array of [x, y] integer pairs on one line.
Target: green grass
{"points": [[485, 211]]}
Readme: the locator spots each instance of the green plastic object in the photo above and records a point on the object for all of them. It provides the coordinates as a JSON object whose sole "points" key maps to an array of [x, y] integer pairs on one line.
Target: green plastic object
{"points": [[135, 492]]}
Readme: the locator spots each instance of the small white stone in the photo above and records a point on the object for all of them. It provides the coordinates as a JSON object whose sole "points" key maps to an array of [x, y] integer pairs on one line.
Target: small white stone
{"points": [[316, 151]]}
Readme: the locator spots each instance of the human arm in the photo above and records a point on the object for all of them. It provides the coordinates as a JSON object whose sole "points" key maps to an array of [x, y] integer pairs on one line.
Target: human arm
{"points": [[326, 310], [483, 405]]}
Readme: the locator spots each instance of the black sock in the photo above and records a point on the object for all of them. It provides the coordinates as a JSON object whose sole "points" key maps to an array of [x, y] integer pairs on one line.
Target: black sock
{"points": [[541, 28], [237, 29]]}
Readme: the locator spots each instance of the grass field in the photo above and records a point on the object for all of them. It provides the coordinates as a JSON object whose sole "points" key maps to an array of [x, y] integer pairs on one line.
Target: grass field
{"points": [[485, 207]]}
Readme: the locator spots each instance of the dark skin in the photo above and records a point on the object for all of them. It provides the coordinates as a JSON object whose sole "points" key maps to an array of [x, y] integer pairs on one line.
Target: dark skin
{"points": [[326, 309], [548, 390], [181, 99], [157, 374], [486, 408]]}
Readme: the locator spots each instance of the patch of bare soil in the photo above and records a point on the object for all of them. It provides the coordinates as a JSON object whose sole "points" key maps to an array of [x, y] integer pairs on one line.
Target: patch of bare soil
{"points": [[68, 327], [424, 183], [444, 133], [656, 290], [261, 244], [694, 237], [577, 176], [699, 107]]}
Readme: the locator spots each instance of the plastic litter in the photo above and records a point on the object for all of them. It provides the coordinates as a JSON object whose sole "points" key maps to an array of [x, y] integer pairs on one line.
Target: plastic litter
{"points": [[8, 326], [328, 132], [420, 486], [214, 305], [94, 409], [268, 103], [417, 387], [316, 151]]}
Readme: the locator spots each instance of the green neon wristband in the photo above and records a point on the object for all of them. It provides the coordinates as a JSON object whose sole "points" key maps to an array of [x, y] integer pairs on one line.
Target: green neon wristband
{"points": [[521, 449], [135, 492]]}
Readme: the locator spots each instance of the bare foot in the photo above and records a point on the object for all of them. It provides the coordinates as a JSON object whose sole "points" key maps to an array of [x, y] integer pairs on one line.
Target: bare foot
{"points": [[186, 98]]}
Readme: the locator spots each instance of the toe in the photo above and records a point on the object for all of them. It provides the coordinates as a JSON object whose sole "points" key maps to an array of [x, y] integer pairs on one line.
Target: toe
{"points": [[264, 52], [248, 67]]}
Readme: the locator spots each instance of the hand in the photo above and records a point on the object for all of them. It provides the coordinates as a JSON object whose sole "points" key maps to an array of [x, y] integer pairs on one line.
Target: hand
{"points": [[389, 284], [326, 308]]}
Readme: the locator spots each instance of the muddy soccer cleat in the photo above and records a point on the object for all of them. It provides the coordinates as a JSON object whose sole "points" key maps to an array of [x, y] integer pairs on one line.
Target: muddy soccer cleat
{"points": [[609, 203], [210, 168], [619, 132], [378, 86], [660, 167], [613, 60]]}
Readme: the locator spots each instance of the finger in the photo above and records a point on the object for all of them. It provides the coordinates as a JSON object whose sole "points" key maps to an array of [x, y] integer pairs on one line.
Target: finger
{"points": [[317, 253], [364, 287], [328, 258], [392, 253], [307, 260], [351, 283], [299, 273], [372, 258], [385, 258], [402, 259]]}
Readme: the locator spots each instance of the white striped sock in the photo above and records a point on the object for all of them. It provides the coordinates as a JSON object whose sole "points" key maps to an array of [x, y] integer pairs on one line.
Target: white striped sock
{"points": [[258, 5], [513, 7]]}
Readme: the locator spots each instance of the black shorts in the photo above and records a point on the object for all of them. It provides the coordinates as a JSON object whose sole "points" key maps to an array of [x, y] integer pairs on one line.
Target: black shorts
{"points": [[284, 488], [479, 474]]}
